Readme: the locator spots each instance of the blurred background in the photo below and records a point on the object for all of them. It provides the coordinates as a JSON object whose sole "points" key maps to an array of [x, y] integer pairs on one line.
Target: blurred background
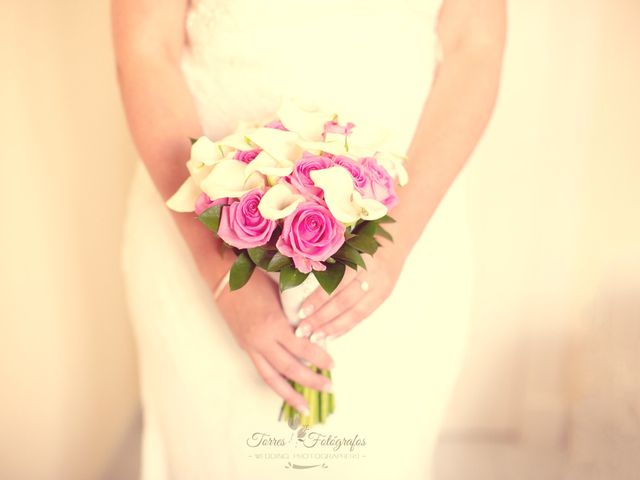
{"points": [[551, 387]]}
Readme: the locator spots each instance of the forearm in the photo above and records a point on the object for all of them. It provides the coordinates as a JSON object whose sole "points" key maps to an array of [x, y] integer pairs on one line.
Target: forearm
{"points": [[162, 117], [452, 121]]}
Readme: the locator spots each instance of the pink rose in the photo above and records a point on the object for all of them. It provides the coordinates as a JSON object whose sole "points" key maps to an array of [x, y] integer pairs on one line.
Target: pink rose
{"points": [[241, 224], [357, 171], [380, 185], [310, 235], [204, 203], [247, 155], [300, 178], [335, 127], [277, 124]]}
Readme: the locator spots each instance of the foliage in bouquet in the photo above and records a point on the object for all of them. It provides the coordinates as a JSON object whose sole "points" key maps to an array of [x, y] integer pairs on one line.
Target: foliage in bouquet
{"points": [[298, 194]]}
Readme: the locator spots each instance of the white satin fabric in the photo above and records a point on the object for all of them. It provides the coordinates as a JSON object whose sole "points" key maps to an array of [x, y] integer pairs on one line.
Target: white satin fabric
{"points": [[203, 401]]}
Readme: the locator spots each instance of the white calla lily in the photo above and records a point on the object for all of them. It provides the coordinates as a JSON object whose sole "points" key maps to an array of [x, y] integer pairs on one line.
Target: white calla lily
{"points": [[394, 165], [198, 170], [337, 148], [268, 165], [307, 124], [184, 200], [228, 178], [278, 202], [279, 144], [357, 152], [369, 208], [206, 152], [334, 147], [247, 126], [343, 201], [237, 141], [369, 136]]}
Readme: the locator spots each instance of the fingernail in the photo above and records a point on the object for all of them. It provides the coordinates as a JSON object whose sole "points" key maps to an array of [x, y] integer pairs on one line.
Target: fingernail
{"points": [[303, 331], [328, 387], [317, 337], [303, 410], [305, 312]]}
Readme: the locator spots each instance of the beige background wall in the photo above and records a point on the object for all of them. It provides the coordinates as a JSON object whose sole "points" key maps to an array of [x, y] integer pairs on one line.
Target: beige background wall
{"points": [[66, 363], [550, 389], [554, 204]]}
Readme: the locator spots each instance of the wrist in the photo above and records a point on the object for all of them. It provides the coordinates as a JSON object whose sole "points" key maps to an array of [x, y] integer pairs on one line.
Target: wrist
{"points": [[212, 260], [397, 250], [214, 264], [393, 255]]}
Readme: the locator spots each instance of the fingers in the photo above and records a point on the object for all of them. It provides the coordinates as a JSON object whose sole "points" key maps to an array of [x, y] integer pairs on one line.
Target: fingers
{"points": [[278, 384], [346, 321], [349, 319], [337, 305], [319, 297], [304, 349], [290, 367]]}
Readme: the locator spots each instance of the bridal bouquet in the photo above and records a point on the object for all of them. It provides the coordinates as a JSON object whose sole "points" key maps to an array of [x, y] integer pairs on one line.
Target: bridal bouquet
{"points": [[300, 194]]}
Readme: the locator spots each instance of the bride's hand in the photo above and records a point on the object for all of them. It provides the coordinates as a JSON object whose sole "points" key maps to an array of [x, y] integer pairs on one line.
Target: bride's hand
{"points": [[358, 295], [255, 317]]}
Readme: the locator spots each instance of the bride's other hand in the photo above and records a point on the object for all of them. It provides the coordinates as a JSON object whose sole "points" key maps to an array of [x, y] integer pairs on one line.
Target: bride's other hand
{"points": [[255, 317], [357, 297], [456, 112]]}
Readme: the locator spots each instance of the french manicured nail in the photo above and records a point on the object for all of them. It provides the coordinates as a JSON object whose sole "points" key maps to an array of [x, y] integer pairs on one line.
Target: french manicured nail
{"points": [[305, 312], [303, 410], [316, 337], [303, 331]]}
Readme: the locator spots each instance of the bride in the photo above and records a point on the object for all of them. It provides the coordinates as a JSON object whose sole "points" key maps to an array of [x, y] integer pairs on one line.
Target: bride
{"points": [[215, 370]]}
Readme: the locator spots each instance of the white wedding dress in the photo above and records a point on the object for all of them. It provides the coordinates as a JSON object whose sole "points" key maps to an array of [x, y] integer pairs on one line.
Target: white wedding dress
{"points": [[205, 407]]}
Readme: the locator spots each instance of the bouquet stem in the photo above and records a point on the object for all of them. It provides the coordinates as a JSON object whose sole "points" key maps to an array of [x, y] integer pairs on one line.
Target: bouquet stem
{"points": [[321, 404]]}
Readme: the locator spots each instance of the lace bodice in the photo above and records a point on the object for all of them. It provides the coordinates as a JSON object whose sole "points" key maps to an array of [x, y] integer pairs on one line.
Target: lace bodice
{"points": [[367, 59]]}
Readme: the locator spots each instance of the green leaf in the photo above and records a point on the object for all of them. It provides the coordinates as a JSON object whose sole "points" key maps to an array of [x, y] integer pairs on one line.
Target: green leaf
{"points": [[261, 256], [363, 243], [385, 219], [211, 217], [278, 262], [383, 233], [351, 255], [349, 264], [331, 277], [367, 228], [241, 271], [291, 277]]}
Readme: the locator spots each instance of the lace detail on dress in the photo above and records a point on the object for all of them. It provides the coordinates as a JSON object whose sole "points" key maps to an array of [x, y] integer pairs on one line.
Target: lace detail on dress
{"points": [[367, 59]]}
